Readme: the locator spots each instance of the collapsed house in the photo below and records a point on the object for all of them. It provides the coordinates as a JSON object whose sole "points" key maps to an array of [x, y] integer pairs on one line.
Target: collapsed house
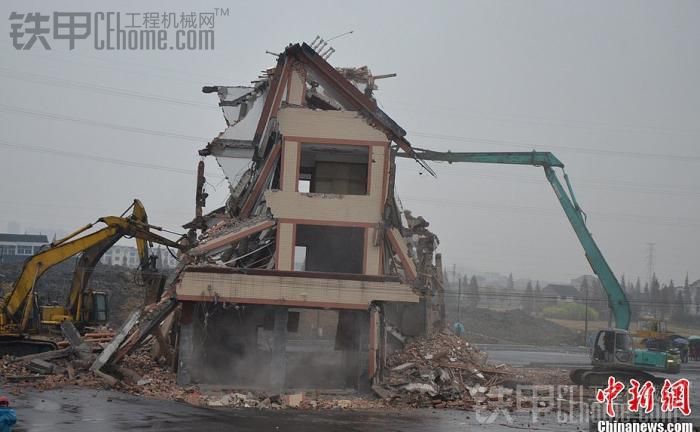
{"points": [[312, 271]]}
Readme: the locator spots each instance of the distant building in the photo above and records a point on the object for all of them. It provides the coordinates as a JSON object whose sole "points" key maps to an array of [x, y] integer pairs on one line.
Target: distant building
{"points": [[128, 256], [590, 279], [17, 247], [117, 255], [166, 257], [556, 293]]}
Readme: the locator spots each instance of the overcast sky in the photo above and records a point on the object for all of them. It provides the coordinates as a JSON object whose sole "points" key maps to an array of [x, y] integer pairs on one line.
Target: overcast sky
{"points": [[610, 87]]}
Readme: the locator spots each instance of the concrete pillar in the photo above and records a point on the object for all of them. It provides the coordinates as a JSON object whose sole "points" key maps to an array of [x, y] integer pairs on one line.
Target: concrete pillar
{"points": [[363, 350], [278, 369], [373, 366], [186, 345]]}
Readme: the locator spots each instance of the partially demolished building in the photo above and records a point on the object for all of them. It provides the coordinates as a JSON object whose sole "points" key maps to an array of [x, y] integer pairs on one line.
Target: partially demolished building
{"points": [[312, 270]]}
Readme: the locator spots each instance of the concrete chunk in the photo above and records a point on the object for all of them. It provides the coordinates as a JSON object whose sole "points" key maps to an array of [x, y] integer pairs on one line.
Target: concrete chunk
{"points": [[40, 366]]}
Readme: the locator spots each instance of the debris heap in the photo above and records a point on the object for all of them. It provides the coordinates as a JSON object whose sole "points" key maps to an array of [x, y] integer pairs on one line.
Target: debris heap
{"points": [[444, 371]]}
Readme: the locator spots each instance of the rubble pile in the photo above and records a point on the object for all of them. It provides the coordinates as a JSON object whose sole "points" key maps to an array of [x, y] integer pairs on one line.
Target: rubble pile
{"points": [[139, 373], [302, 401], [444, 371]]}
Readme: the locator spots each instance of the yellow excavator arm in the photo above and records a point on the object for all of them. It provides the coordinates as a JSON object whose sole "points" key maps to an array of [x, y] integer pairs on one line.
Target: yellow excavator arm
{"points": [[17, 306]]}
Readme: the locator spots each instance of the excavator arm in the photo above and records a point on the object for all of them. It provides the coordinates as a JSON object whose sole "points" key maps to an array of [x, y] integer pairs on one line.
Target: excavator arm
{"points": [[38, 264], [616, 296], [17, 306], [137, 227]]}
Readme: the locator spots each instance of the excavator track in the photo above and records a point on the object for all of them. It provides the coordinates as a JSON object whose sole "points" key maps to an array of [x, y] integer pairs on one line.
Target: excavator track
{"points": [[20, 346], [599, 377]]}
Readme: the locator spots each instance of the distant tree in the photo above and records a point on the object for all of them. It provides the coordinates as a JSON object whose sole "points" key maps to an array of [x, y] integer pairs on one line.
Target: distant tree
{"points": [[537, 299], [529, 299], [511, 283], [598, 299], [464, 281], [655, 298], [474, 292], [622, 282], [697, 299], [667, 300], [670, 297], [585, 288], [687, 297], [638, 287], [679, 310]]}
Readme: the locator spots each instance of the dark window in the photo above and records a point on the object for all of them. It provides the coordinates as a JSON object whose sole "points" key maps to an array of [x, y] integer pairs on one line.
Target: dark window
{"points": [[330, 248], [334, 169]]}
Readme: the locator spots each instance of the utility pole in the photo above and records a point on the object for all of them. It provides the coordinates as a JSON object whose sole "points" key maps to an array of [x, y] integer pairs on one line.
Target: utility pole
{"points": [[459, 300]]}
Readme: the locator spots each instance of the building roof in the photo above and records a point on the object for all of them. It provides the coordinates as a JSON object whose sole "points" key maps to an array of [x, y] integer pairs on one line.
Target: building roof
{"points": [[562, 290], [24, 238], [346, 96]]}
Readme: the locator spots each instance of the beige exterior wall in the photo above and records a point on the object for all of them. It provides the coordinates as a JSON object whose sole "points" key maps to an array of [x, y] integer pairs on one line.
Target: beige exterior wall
{"points": [[359, 209], [339, 125], [285, 246], [289, 205], [372, 253], [296, 86], [295, 291], [362, 209], [290, 163], [377, 173]]}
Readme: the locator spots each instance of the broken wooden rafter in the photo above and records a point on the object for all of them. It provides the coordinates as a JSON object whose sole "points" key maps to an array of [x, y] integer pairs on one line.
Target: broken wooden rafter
{"points": [[398, 245], [263, 178], [239, 231]]}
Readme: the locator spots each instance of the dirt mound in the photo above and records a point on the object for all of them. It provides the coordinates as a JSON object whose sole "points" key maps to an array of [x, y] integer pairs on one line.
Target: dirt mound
{"points": [[124, 293], [514, 326]]}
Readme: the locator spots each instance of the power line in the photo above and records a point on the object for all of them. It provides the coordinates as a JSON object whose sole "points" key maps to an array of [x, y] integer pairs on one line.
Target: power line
{"points": [[520, 296], [185, 77], [159, 98], [96, 123], [153, 132], [649, 188], [544, 121], [96, 88], [115, 161], [485, 295], [508, 208], [531, 146], [174, 74]]}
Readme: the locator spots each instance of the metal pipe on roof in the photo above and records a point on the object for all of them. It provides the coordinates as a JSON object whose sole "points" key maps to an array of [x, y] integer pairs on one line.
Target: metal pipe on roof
{"points": [[314, 42], [329, 53]]}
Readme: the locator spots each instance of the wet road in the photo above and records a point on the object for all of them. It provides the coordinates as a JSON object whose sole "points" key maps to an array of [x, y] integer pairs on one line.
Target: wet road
{"points": [[528, 356], [90, 410], [95, 411]]}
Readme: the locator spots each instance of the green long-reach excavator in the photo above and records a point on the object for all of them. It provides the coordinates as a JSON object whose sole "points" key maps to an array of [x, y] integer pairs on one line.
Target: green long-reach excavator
{"points": [[613, 352]]}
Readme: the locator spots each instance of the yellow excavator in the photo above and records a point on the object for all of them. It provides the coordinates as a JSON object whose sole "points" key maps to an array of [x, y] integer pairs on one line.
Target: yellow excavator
{"points": [[26, 326]]}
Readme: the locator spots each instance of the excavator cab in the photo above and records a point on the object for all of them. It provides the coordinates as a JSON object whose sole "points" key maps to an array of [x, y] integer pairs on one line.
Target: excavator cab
{"points": [[100, 308], [613, 347], [93, 310]]}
